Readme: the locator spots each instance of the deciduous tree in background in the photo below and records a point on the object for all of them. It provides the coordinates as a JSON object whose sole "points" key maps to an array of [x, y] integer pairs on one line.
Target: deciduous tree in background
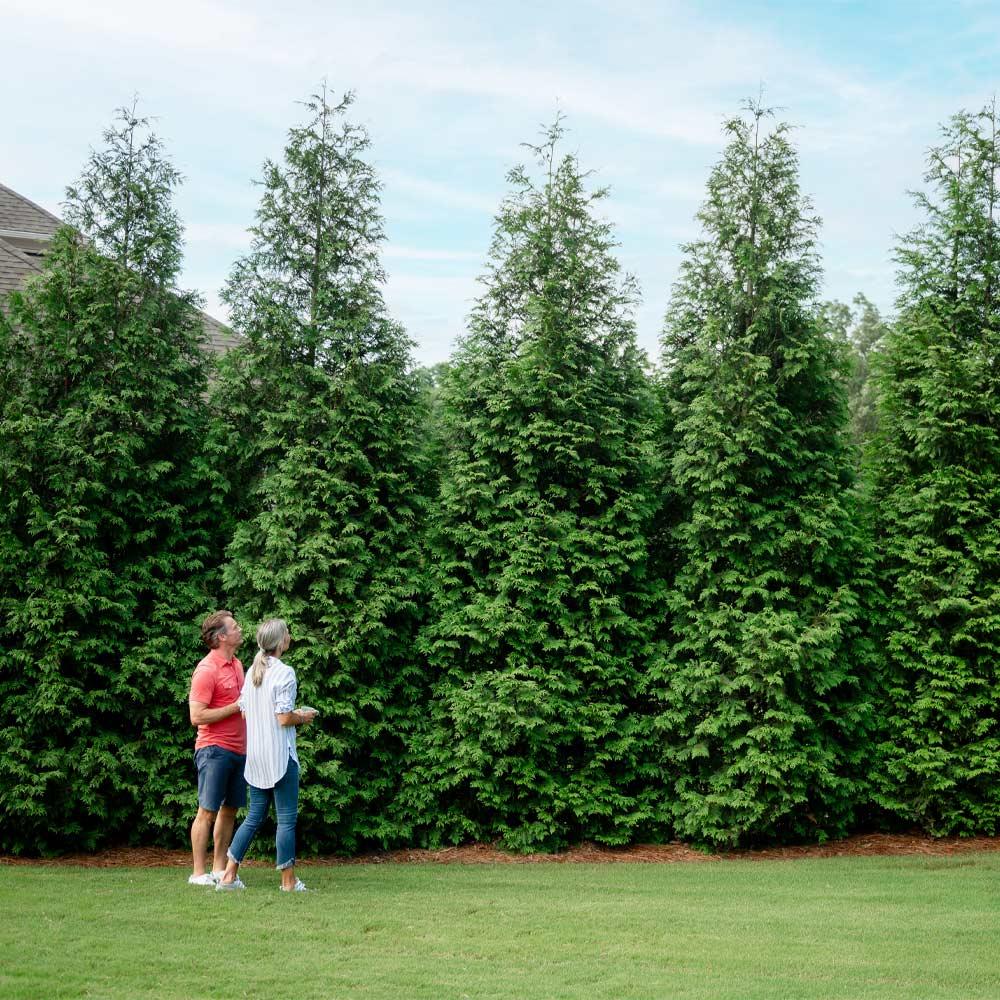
{"points": [[862, 330]]}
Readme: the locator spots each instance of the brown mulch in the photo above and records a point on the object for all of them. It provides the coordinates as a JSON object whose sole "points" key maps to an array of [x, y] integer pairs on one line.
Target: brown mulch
{"points": [[861, 845]]}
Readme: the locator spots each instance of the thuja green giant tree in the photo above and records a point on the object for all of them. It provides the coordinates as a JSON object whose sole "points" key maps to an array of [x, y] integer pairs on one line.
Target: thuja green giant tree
{"points": [[320, 418], [538, 632], [759, 695], [106, 540], [937, 488]]}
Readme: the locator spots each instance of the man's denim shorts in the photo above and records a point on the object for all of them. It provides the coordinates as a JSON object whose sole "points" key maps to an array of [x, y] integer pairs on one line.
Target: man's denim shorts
{"points": [[220, 778]]}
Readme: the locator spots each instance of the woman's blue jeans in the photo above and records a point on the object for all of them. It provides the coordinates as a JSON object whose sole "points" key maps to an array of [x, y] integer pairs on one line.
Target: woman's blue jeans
{"points": [[286, 808]]}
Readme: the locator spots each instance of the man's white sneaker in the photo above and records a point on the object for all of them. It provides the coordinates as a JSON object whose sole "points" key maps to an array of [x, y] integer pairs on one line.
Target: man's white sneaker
{"points": [[298, 887], [205, 879], [227, 886]]}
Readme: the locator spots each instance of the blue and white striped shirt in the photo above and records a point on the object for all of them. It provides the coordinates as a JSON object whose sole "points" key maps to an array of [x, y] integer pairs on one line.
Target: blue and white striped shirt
{"points": [[269, 743]]}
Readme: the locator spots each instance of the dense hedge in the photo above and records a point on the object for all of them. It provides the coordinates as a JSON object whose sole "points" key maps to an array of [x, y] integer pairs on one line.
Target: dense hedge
{"points": [[540, 593]]}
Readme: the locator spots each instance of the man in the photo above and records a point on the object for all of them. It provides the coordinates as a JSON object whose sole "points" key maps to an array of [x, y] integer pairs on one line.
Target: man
{"points": [[221, 746]]}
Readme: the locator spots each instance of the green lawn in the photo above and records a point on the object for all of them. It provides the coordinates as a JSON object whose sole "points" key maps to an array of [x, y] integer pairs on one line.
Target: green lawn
{"points": [[841, 928]]}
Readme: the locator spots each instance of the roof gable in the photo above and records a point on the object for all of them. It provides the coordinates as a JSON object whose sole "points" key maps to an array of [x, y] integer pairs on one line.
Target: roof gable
{"points": [[25, 230], [19, 216]]}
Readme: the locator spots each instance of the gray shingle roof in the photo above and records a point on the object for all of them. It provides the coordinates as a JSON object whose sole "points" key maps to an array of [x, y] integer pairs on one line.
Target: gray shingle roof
{"points": [[219, 338], [20, 219], [21, 215]]}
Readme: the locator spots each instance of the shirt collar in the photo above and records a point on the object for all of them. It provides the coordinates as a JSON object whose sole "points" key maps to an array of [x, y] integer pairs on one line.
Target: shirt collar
{"points": [[220, 659]]}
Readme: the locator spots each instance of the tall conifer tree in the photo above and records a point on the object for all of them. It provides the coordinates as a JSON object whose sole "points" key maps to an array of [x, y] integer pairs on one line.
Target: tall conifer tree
{"points": [[321, 418], [106, 538], [759, 693], [538, 631], [937, 487]]}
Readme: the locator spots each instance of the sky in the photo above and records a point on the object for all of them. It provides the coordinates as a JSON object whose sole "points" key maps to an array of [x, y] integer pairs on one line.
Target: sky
{"points": [[449, 92]]}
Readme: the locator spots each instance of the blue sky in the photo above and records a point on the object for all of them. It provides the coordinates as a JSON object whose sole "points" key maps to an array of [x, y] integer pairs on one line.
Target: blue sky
{"points": [[450, 90]]}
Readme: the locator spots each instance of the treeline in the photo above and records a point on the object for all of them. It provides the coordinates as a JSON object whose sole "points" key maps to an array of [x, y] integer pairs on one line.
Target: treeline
{"points": [[543, 593]]}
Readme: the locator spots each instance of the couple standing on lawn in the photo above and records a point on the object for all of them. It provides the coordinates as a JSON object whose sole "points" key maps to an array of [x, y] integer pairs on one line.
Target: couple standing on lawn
{"points": [[246, 736]]}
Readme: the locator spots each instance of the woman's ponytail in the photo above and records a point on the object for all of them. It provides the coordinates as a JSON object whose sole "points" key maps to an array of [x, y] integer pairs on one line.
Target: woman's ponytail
{"points": [[270, 637]]}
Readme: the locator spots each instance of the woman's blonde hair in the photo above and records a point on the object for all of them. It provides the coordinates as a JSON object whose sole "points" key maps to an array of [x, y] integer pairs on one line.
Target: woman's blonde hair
{"points": [[270, 638]]}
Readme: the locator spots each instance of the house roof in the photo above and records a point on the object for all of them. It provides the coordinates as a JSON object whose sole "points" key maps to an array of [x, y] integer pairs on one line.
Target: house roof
{"points": [[20, 216], [15, 268], [25, 231]]}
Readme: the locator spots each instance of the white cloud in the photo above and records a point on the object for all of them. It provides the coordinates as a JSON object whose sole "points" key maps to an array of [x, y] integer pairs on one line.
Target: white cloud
{"points": [[449, 91]]}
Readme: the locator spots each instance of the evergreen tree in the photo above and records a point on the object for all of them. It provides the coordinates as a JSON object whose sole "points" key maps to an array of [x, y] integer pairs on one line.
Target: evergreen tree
{"points": [[106, 544], [321, 413], [538, 624], [936, 467], [759, 694]]}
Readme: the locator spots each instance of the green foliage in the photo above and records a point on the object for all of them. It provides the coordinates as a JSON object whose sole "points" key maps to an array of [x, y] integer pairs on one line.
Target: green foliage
{"points": [[319, 424], [862, 331], [538, 630], [760, 702], [936, 467], [106, 535], [630, 610]]}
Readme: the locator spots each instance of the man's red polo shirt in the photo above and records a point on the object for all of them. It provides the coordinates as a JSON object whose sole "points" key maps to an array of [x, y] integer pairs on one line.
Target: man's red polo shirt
{"points": [[217, 682]]}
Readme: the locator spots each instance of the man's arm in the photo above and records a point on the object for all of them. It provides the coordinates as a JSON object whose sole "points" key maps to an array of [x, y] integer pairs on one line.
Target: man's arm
{"points": [[202, 715]]}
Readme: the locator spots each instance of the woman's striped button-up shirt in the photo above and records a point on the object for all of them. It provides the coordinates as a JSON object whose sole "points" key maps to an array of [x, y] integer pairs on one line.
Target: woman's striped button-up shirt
{"points": [[269, 743]]}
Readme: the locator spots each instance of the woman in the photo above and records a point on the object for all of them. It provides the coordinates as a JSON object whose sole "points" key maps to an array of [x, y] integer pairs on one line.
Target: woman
{"points": [[272, 768]]}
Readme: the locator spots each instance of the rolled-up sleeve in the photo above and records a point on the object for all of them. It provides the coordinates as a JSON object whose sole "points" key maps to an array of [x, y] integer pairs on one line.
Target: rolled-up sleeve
{"points": [[285, 693]]}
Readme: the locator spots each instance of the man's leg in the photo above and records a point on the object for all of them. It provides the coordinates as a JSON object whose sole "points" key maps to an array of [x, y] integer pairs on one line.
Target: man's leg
{"points": [[201, 830], [225, 823], [212, 778], [235, 798]]}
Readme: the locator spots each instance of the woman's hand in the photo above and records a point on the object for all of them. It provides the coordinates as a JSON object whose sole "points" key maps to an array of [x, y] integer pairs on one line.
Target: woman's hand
{"points": [[297, 717]]}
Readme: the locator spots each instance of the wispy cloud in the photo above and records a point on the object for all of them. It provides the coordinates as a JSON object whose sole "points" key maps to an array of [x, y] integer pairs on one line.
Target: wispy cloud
{"points": [[397, 183], [449, 90]]}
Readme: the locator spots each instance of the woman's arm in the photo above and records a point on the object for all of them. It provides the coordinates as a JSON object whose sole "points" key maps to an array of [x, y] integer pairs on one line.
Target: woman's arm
{"points": [[297, 717]]}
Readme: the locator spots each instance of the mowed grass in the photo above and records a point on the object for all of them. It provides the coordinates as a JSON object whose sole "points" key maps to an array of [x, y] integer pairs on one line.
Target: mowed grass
{"points": [[839, 928]]}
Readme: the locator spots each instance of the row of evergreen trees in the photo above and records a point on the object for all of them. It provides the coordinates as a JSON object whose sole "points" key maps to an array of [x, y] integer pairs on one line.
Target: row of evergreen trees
{"points": [[540, 594]]}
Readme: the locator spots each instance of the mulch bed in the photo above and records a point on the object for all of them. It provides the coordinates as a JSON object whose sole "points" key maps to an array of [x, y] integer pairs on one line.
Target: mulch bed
{"points": [[861, 845]]}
